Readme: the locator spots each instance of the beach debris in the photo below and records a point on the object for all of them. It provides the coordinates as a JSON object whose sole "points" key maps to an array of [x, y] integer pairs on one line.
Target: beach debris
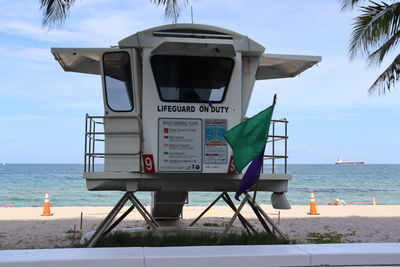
{"points": [[337, 202], [313, 205], [360, 202], [46, 205]]}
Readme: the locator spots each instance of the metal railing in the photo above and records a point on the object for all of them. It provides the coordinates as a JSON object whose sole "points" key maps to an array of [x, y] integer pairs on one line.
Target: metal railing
{"points": [[93, 136], [276, 136]]}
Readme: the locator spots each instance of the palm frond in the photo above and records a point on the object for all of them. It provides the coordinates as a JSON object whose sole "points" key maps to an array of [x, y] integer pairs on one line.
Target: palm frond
{"points": [[379, 54], [55, 11], [172, 7], [387, 80], [376, 25], [349, 4]]}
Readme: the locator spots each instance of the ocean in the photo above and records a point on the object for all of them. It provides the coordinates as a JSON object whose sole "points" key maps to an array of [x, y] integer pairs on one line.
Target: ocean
{"points": [[24, 185]]}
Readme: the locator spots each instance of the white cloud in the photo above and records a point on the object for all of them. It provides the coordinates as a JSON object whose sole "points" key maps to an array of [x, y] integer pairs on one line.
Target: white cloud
{"points": [[37, 32], [89, 23], [27, 53]]}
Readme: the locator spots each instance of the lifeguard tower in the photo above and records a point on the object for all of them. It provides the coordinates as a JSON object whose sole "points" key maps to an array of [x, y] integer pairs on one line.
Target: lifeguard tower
{"points": [[170, 93]]}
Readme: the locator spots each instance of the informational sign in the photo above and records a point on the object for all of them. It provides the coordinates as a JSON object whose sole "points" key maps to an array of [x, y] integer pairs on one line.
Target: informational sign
{"points": [[180, 145], [215, 148]]}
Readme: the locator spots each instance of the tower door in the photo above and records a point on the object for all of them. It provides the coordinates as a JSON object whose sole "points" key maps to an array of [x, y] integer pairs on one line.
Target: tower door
{"points": [[122, 123]]}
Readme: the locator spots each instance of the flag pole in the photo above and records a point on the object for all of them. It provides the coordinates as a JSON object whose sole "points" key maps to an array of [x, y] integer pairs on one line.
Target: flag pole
{"points": [[252, 133], [256, 187]]}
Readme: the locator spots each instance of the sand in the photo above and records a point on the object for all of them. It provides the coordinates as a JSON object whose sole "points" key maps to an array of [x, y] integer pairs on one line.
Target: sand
{"points": [[24, 228]]}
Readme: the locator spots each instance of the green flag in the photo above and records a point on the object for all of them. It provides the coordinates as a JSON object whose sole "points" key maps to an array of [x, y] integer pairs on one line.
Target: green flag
{"points": [[248, 138]]}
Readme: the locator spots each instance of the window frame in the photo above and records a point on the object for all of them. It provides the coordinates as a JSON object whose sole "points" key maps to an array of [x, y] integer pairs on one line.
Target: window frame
{"points": [[105, 81], [195, 102]]}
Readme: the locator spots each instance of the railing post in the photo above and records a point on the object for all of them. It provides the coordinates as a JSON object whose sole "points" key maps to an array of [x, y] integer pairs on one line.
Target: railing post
{"points": [[90, 144], [141, 143], [94, 142], [84, 159], [286, 141], [273, 147]]}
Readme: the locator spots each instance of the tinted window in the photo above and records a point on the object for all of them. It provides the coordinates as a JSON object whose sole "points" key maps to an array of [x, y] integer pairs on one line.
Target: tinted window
{"points": [[191, 79], [118, 81]]}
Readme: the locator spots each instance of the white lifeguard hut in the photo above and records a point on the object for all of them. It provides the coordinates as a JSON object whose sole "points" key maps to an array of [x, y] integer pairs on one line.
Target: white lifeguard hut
{"points": [[170, 93]]}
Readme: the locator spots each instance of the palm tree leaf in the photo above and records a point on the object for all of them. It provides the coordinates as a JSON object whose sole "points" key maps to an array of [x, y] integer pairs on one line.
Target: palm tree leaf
{"points": [[172, 7], [377, 24], [349, 4], [55, 11], [387, 79], [378, 55]]}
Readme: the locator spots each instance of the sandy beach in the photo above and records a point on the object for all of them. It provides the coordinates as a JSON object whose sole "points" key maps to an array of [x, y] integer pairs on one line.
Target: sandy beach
{"points": [[24, 228]]}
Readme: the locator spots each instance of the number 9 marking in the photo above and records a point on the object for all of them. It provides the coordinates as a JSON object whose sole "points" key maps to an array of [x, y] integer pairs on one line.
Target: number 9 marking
{"points": [[148, 163]]}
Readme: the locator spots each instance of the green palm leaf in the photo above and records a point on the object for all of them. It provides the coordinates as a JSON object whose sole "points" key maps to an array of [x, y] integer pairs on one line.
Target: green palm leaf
{"points": [[379, 54], [376, 32], [172, 7], [345, 4], [56, 11], [376, 25], [387, 79]]}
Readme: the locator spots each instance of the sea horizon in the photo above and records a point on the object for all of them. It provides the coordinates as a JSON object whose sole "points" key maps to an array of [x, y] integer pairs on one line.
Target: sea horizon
{"points": [[351, 183]]}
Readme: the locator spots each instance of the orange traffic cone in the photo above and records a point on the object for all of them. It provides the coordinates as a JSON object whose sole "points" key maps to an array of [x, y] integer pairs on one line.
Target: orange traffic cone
{"points": [[313, 205], [46, 205]]}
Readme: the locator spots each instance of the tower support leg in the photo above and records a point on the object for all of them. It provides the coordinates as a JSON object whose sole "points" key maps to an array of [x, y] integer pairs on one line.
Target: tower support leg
{"points": [[262, 216], [225, 196], [106, 225], [267, 223]]}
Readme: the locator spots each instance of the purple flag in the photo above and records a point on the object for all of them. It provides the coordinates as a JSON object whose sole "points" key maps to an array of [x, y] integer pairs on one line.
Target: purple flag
{"points": [[251, 175]]}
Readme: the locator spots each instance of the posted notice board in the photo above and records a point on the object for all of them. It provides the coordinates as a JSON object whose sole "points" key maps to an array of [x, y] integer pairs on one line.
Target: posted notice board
{"points": [[180, 145], [215, 148]]}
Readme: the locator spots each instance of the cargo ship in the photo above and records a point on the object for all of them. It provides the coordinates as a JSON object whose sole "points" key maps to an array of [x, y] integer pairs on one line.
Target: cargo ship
{"points": [[339, 161]]}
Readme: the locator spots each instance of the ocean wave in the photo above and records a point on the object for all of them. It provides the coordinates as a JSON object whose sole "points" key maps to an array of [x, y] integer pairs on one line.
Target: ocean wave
{"points": [[340, 190]]}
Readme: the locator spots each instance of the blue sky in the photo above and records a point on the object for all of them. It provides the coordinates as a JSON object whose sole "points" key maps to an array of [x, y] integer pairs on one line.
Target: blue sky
{"points": [[42, 108]]}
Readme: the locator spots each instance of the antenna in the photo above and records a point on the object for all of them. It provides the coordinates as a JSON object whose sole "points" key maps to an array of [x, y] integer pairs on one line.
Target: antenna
{"points": [[191, 12]]}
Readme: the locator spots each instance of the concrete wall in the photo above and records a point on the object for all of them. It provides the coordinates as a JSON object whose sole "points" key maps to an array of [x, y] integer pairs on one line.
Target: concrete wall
{"points": [[387, 254]]}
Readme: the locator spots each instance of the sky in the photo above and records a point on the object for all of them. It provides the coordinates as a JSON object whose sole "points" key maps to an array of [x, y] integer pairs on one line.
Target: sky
{"points": [[330, 113]]}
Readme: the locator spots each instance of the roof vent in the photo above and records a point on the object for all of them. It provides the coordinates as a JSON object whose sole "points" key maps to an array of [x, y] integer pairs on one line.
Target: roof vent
{"points": [[193, 34]]}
